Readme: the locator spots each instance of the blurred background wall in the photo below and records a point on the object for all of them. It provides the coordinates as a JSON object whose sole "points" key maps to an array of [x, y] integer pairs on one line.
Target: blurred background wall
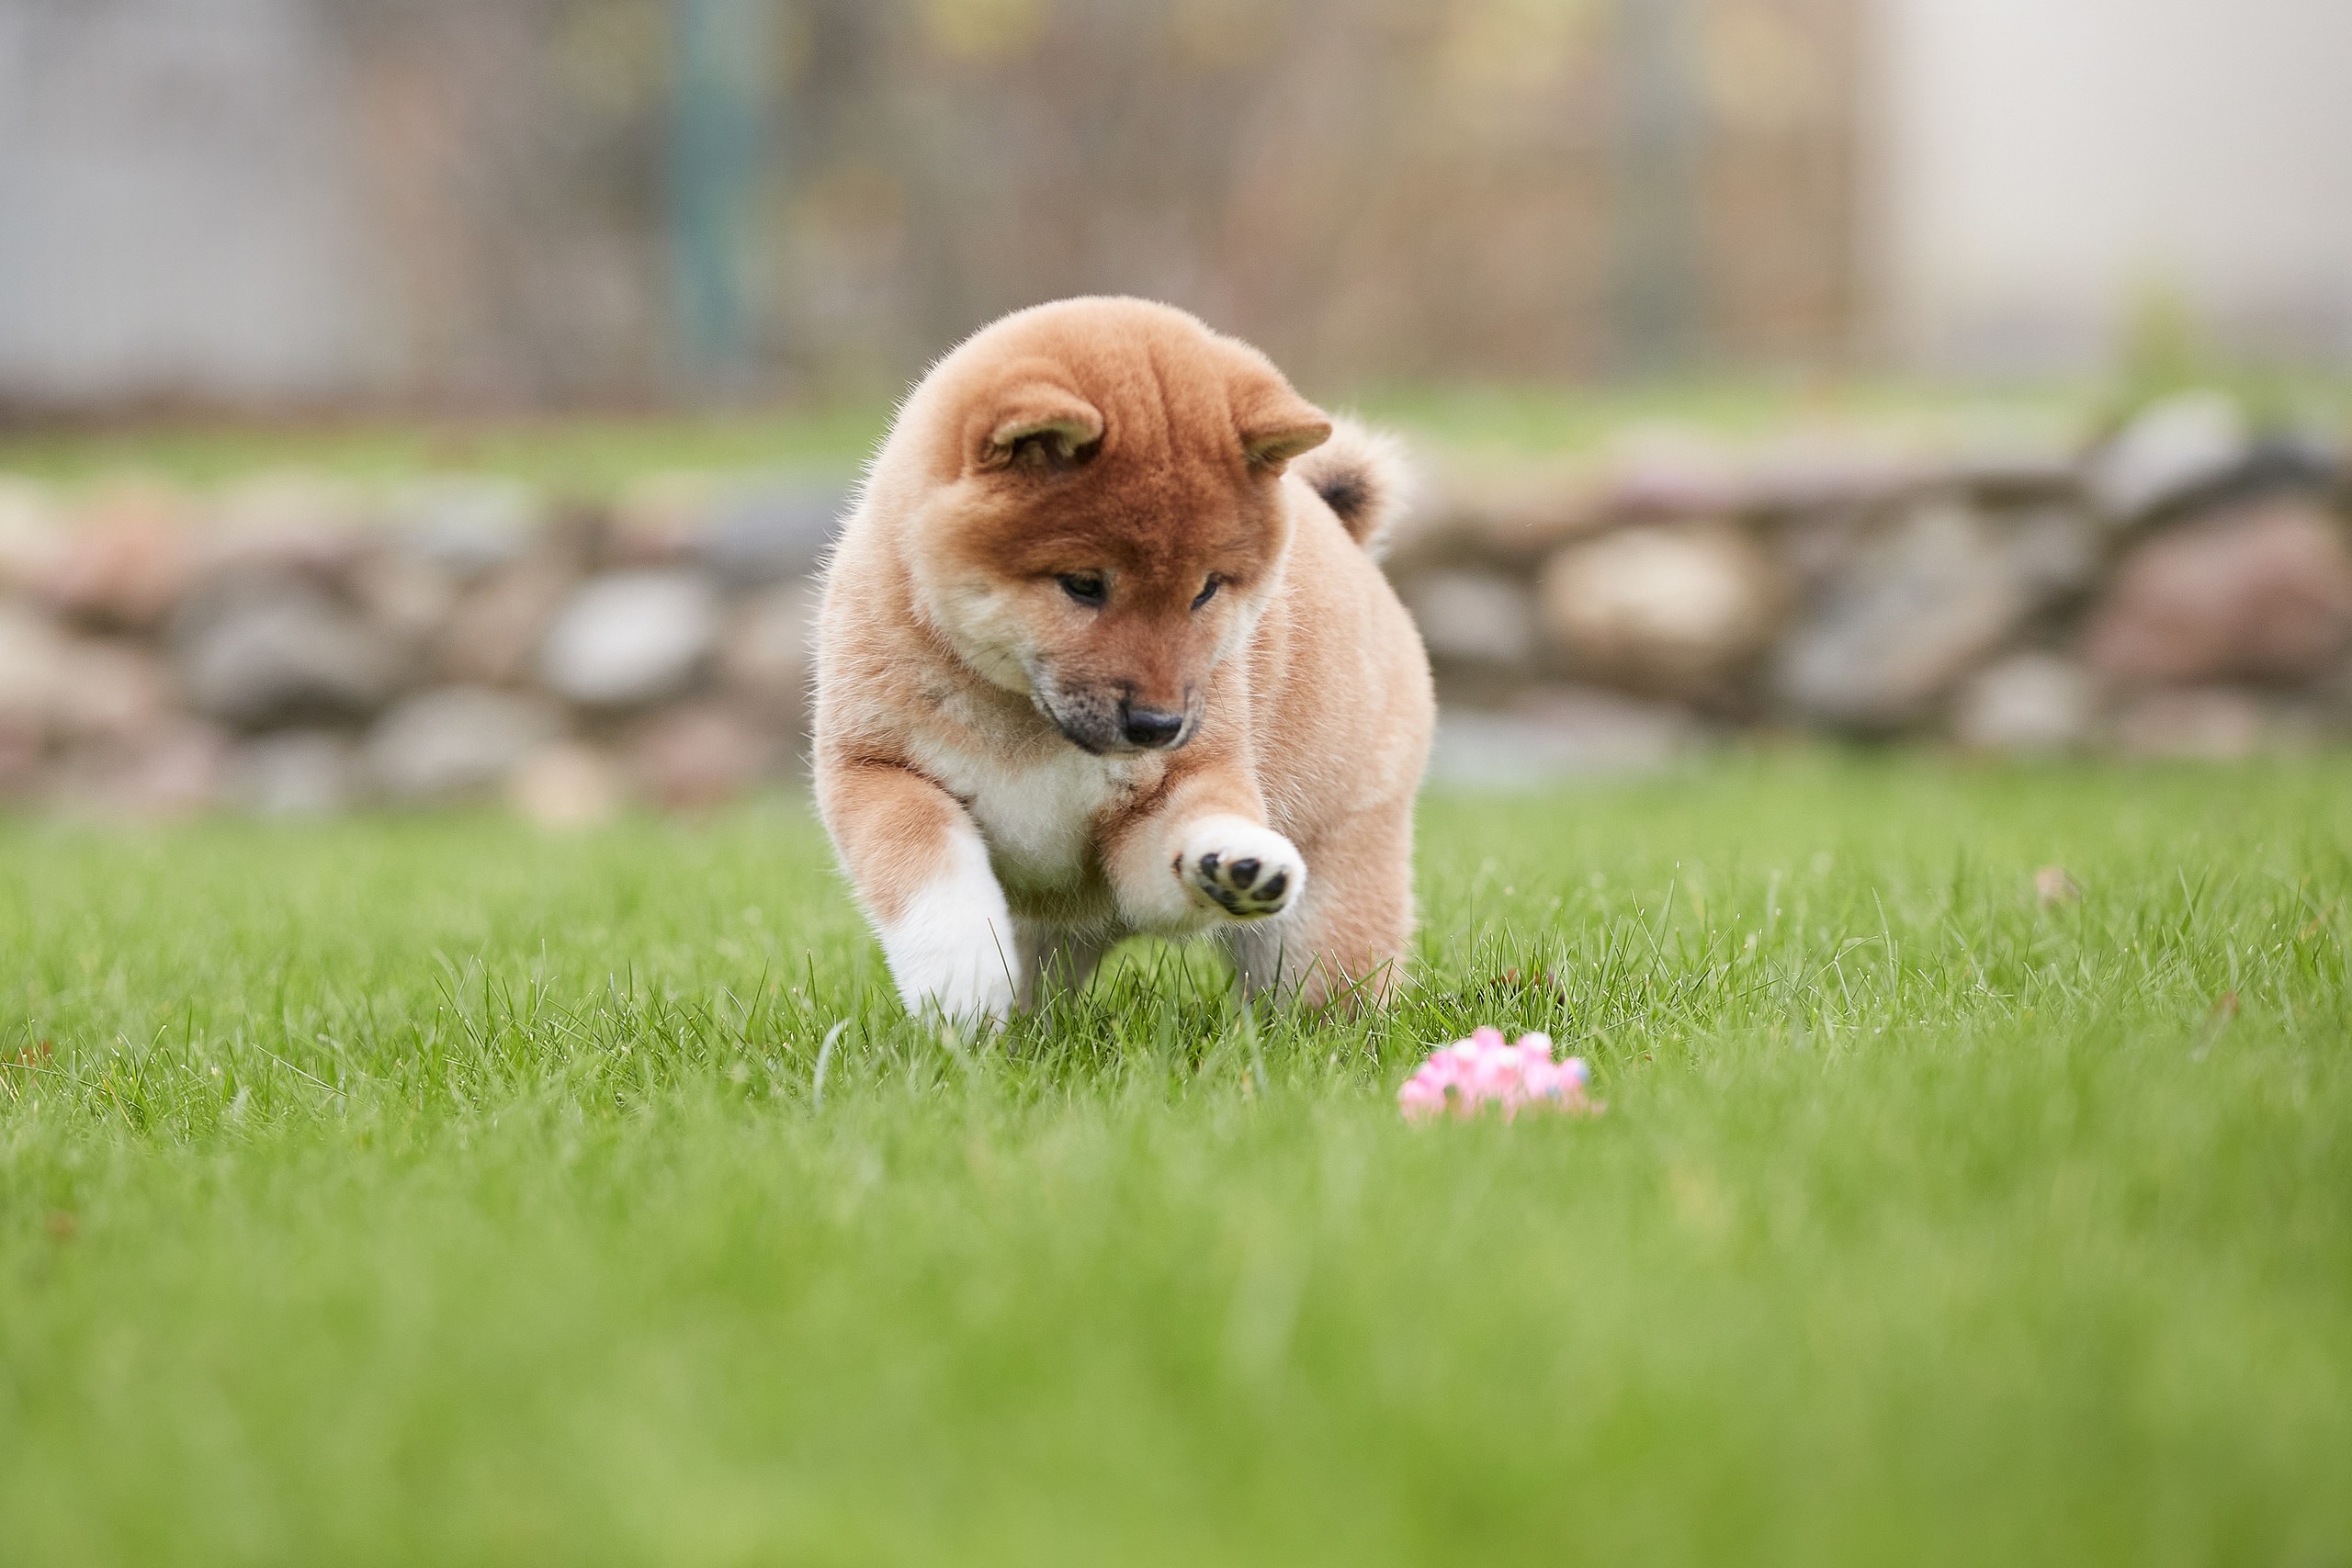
{"points": [[2055, 174], [567, 203], [580, 201]]}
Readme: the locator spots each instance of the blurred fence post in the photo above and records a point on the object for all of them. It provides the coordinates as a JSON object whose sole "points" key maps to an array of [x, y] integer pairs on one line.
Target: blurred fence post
{"points": [[718, 124], [1655, 288]]}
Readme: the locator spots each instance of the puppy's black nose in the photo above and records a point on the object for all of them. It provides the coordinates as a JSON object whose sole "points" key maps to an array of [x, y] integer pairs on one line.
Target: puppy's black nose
{"points": [[1150, 728]]}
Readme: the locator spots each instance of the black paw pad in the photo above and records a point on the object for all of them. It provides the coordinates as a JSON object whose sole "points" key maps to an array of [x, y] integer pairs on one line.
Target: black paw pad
{"points": [[1275, 886], [1244, 872]]}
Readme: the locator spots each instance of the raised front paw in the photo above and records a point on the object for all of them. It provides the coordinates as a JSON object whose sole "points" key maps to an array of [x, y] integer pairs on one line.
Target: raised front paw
{"points": [[1233, 864]]}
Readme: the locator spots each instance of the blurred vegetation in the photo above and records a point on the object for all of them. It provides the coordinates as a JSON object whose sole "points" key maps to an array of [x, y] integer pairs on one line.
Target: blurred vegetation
{"points": [[593, 455]]}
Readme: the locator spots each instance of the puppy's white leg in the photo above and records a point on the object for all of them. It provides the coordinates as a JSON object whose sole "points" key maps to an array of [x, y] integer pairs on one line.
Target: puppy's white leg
{"points": [[951, 946], [922, 873]]}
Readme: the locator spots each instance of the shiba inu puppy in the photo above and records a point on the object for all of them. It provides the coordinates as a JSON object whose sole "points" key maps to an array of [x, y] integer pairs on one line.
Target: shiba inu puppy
{"points": [[1104, 650]]}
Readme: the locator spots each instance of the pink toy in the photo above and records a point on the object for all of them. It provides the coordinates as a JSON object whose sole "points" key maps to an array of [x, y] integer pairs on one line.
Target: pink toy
{"points": [[1470, 1075]]}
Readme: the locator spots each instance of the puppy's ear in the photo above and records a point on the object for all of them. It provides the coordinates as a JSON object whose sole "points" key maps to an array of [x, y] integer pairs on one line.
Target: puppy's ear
{"points": [[1277, 425], [1032, 423]]}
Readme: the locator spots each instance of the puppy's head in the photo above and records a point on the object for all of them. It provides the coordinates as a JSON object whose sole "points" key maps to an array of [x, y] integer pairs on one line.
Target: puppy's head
{"points": [[1103, 518]]}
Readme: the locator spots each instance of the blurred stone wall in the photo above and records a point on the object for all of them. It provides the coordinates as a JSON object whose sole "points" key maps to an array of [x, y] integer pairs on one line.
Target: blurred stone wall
{"points": [[2181, 588], [290, 645]]}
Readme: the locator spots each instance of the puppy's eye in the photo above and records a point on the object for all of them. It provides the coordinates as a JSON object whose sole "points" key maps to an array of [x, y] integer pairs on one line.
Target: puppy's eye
{"points": [[1207, 592], [1086, 587]]}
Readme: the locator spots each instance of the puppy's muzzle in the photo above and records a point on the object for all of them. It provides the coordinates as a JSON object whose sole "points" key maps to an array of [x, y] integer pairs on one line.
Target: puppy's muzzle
{"points": [[1108, 721]]}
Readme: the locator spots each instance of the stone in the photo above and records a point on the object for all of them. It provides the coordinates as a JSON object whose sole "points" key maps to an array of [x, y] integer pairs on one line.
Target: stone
{"points": [[32, 532], [267, 652], [109, 694], [2010, 465], [2055, 551], [75, 691], [294, 773], [630, 637], [1513, 515], [565, 785], [661, 519], [1911, 612], [325, 560], [278, 527], [125, 560], [23, 751], [456, 742], [698, 755], [2027, 703], [772, 534], [1664, 473], [493, 633], [466, 525], [2298, 464], [2258, 591], [2334, 694], [2166, 453], [290, 522], [1831, 470], [1676, 609], [31, 668], [1814, 549], [169, 772], [1559, 732], [765, 654], [1475, 617], [287, 504], [2211, 723], [409, 595]]}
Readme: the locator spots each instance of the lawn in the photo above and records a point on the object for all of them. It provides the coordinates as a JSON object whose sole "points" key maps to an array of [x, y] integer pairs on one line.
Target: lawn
{"points": [[430, 1191], [592, 456]]}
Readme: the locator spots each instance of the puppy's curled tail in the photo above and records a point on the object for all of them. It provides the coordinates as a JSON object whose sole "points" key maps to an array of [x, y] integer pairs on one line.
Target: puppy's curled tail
{"points": [[1362, 476]]}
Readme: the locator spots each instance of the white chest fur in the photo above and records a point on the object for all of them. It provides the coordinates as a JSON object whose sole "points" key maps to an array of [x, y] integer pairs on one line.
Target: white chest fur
{"points": [[1036, 814]]}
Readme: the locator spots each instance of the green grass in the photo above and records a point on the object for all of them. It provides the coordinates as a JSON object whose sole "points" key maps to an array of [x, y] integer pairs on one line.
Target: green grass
{"points": [[595, 457], [592, 456], [572, 457], [392, 1191]]}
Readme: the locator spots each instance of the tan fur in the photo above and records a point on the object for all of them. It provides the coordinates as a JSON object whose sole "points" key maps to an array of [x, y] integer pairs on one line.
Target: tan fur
{"points": [[974, 759], [1357, 474]]}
